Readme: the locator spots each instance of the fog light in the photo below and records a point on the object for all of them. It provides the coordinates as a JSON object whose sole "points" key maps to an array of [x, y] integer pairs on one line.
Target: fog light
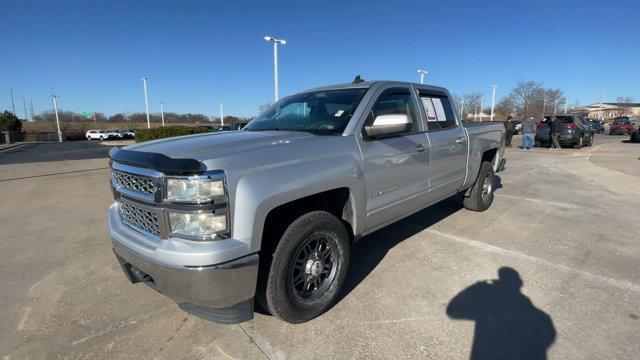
{"points": [[198, 225]]}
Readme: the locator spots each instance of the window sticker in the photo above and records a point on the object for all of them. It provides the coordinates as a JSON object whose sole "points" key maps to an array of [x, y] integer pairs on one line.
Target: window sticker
{"points": [[339, 113], [428, 107], [437, 103]]}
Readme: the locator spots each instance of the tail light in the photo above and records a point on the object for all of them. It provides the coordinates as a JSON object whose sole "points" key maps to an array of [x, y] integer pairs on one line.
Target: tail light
{"points": [[570, 126]]}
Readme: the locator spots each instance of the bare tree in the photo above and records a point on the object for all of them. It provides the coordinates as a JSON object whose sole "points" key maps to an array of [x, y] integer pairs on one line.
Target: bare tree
{"points": [[467, 106], [529, 98], [624, 102]]}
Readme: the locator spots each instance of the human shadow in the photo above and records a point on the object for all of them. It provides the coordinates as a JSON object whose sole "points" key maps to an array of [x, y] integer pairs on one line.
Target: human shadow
{"points": [[508, 325]]}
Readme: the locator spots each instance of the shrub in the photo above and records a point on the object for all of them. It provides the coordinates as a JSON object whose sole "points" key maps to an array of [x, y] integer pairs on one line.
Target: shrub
{"points": [[9, 122], [168, 131]]}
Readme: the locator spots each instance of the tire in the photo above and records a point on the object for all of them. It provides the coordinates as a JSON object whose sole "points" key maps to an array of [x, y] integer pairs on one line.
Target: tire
{"points": [[590, 140], [308, 268], [579, 144], [481, 195]]}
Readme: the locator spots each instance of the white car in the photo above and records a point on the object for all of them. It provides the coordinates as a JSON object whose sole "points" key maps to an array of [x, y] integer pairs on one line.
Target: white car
{"points": [[96, 135]]}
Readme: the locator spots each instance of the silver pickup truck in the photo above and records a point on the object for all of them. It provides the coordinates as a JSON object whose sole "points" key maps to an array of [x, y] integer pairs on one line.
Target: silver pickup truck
{"points": [[215, 221]]}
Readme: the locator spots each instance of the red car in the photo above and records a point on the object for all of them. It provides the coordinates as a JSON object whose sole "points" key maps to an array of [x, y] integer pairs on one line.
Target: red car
{"points": [[622, 125]]}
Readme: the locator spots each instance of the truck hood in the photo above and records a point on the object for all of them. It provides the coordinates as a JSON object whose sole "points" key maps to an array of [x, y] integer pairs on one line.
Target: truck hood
{"points": [[208, 146]]}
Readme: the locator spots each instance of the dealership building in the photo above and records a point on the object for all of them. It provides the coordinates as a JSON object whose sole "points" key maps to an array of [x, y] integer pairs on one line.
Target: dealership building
{"points": [[609, 110]]}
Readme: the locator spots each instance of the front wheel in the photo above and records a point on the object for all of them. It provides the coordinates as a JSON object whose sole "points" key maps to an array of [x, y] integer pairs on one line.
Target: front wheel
{"points": [[481, 194], [308, 268]]}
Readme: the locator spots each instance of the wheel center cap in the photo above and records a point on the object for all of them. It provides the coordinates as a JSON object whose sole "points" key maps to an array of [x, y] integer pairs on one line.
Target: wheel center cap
{"points": [[314, 268]]}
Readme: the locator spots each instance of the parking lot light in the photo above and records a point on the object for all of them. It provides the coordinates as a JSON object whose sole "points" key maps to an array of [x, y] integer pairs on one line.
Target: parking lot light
{"points": [[493, 98], [55, 109], [146, 101], [162, 112], [275, 60], [422, 74]]}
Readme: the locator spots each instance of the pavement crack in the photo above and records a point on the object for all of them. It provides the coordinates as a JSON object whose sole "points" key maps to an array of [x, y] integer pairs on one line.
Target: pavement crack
{"points": [[254, 341]]}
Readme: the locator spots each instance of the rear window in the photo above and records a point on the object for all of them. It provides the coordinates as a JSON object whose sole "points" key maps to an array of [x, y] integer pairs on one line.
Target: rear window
{"points": [[621, 121], [563, 119]]}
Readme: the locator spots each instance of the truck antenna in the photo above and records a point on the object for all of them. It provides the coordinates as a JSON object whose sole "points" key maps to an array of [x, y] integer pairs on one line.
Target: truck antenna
{"points": [[357, 80]]}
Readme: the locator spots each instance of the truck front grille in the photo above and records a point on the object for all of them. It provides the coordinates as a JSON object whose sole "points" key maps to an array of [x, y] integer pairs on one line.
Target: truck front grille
{"points": [[139, 218], [137, 183]]}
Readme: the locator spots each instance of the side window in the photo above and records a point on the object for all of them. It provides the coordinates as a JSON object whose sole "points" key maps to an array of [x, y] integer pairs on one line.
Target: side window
{"points": [[438, 111], [395, 101]]}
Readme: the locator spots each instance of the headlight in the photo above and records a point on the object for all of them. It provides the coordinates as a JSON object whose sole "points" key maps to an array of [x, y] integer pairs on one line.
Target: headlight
{"points": [[200, 225], [194, 190]]}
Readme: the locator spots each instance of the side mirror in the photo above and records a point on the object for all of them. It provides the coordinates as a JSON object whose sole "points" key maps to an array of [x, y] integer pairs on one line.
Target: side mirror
{"points": [[384, 125]]}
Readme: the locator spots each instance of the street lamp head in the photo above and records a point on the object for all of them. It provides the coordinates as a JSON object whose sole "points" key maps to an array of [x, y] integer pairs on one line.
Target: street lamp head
{"points": [[274, 40], [420, 71]]}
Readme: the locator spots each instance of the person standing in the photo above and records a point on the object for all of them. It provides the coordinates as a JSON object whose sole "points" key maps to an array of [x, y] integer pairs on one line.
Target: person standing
{"points": [[510, 125], [528, 133], [554, 131]]}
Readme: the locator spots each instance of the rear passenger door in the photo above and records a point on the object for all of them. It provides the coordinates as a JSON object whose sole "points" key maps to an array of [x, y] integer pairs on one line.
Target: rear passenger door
{"points": [[448, 156]]}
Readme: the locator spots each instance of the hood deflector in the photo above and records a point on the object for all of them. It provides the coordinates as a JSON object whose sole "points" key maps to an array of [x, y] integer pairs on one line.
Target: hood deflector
{"points": [[158, 162]]}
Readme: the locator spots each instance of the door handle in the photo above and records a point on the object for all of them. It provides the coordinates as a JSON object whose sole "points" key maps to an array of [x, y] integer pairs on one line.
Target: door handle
{"points": [[461, 139], [420, 148]]}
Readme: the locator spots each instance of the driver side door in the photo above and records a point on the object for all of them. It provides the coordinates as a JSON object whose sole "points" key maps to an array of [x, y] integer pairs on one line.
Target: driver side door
{"points": [[395, 165]]}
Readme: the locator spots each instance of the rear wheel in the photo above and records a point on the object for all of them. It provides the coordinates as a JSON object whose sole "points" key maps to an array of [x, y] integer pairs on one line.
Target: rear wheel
{"points": [[481, 195], [308, 268], [579, 144]]}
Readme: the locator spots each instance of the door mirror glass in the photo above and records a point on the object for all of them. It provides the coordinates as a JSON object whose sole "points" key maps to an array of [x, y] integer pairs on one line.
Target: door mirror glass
{"points": [[384, 125]]}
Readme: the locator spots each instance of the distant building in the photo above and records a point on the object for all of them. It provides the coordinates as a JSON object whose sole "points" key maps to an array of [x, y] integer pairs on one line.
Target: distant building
{"points": [[609, 110]]}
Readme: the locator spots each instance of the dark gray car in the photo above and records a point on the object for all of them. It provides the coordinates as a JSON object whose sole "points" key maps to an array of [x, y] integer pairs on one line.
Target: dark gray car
{"points": [[574, 131]]}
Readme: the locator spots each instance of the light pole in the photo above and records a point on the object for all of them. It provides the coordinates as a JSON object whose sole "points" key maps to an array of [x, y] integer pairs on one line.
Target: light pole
{"points": [[162, 111], [555, 108], [544, 103], [565, 105], [13, 105], [462, 106], [55, 109], [422, 74], [146, 101], [481, 112], [222, 115], [600, 115], [275, 60], [475, 114], [493, 98]]}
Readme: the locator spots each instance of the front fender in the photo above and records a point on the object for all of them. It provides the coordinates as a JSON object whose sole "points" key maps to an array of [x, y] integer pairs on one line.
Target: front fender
{"points": [[259, 192]]}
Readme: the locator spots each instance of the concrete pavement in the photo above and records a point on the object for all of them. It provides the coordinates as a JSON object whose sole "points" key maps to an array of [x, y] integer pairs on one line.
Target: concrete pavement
{"points": [[565, 223]]}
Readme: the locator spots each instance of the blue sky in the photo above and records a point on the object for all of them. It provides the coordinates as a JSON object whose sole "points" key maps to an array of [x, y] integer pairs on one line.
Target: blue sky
{"points": [[199, 52]]}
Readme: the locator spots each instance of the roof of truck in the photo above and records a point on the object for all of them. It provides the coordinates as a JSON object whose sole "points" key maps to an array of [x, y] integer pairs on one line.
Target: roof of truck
{"points": [[368, 84]]}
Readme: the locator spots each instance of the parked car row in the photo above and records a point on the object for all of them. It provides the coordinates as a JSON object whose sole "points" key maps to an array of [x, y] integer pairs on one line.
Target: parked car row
{"points": [[110, 134]]}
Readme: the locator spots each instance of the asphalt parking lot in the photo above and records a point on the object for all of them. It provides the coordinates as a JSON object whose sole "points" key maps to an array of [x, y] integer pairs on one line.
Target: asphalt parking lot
{"points": [[564, 233]]}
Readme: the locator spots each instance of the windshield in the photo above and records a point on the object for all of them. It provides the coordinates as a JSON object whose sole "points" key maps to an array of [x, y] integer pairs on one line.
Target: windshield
{"points": [[321, 112], [620, 122]]}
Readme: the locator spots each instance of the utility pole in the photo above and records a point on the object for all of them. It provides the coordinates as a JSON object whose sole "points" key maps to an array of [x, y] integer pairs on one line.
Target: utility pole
{"points": [[422, 73], [600, 115], [31, 108], [55, 109], [146, 101], [275, 42], [24, 104], [13, 105], [493, 98], [221, 115], [162, 111]]}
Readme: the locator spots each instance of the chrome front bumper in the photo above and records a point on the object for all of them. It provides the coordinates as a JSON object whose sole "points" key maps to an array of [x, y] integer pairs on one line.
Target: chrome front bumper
{"points": [[218, 291]]}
